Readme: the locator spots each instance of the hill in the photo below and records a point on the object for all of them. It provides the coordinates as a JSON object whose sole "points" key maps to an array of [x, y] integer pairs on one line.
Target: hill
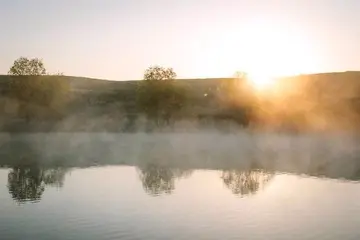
{"points": [[344, 84], [301, 100]]}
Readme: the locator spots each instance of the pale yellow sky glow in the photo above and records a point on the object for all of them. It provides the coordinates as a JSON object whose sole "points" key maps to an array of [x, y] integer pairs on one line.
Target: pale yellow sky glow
{"points": [[119, 39], [273, 50], [264, 50]]}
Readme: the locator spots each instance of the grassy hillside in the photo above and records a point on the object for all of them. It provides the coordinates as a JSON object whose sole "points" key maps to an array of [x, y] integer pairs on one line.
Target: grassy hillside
{"points": [[340, 84], [315, 99], [91, 84]]}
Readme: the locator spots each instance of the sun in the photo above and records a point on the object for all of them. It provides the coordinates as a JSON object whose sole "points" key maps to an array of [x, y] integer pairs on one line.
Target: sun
{"points": [[267, 51], [261, 81]]}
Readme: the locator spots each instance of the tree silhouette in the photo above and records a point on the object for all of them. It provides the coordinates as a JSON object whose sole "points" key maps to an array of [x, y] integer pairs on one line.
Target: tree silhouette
{"points": [[24, 66], [245, 182], [25, 184], [158, 96], [38, 96], [159, 73], [28, 184], [158, 180]]}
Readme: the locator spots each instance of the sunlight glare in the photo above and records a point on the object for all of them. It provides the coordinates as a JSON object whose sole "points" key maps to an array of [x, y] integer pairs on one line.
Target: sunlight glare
{"points": [[260, 81], [264, 50], [268, 50]]}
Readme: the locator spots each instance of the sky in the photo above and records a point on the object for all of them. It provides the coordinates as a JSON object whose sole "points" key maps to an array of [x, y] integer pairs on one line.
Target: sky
{"points": [[119, 39]]}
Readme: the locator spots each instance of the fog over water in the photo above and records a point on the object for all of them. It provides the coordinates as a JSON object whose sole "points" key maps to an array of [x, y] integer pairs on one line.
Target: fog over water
{"points": [[326, 155], [179, 185]]}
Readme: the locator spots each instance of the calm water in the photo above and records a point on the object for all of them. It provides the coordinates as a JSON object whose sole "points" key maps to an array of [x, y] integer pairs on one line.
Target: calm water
{"points": [[210, 187]]}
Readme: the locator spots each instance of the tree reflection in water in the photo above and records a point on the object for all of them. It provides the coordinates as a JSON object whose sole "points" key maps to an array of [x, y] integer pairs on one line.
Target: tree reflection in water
{"points": [[158, 180], [28, 184], [244, 183]]}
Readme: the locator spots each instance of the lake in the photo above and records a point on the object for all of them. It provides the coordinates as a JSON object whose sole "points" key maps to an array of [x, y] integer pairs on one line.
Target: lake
{"points": [[179, 186]]}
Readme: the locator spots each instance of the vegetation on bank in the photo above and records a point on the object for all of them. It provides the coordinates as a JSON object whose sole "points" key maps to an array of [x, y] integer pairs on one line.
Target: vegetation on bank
{"points": [[35, 94], [32, 95], [158, 97], [38, 96]]}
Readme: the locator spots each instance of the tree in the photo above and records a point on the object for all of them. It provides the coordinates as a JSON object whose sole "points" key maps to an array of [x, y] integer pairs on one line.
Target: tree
{"points": [[157, 180], [244, 183], [158, 96], [159, 73], [24, 66], [37, 93], [25, 184], [28, 184]]}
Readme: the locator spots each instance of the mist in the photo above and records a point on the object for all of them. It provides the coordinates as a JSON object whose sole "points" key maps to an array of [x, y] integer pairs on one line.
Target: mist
{"points": [[327, 155], [302, 126]]}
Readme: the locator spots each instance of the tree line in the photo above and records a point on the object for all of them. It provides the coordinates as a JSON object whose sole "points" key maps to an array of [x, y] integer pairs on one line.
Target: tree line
{"points": [[158, 96]]}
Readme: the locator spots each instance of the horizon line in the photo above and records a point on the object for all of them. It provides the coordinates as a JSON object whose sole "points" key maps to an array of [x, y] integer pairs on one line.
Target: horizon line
{"points": [[199, 78]]}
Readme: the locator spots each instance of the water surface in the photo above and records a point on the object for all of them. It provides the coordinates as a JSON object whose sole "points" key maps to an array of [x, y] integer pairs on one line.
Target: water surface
{"points": [[301, 191]]}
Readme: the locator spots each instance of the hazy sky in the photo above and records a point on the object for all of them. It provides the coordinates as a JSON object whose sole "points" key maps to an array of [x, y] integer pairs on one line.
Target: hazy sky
{"points": [[118, 39]]}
